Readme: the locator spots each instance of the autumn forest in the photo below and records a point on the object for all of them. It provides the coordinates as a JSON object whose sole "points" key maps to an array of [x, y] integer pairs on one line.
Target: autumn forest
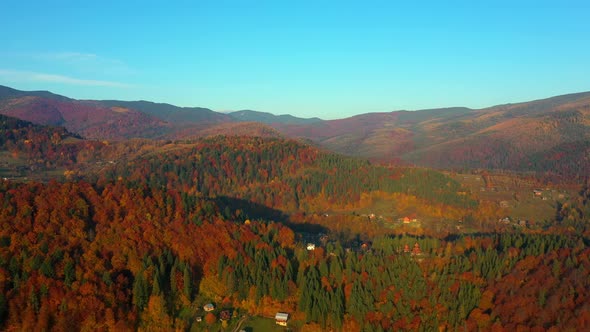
{"points": [[143, 233]]}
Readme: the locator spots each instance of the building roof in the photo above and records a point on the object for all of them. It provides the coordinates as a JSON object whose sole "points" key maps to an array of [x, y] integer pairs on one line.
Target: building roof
{"points": [[282, 316]]}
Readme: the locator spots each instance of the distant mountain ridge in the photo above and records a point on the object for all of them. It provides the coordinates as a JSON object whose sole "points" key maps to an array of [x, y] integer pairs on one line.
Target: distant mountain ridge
{"points": [[549, 135], [91, 120], [542, 135], [269, 118], [169, 113], [7, 93], [116, 119]]}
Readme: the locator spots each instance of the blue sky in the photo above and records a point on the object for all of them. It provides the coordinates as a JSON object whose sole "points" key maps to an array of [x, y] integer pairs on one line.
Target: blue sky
{"points": [[330, 59]]}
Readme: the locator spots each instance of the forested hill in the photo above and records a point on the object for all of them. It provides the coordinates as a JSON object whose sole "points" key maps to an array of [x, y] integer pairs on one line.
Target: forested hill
{"points": [[25, 146], [282, 174], [144, 241], [9, 93], [141, 234], [269, 118], [14, 129], [122, 256], [169, 113], [548, 135]]}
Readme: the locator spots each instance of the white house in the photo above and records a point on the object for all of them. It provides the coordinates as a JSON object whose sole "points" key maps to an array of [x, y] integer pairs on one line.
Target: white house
{"points": [[281, 318]]}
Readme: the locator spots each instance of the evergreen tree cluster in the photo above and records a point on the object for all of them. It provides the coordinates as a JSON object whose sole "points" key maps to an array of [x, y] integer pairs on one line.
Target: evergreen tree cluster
{"points": [[282, 174]]}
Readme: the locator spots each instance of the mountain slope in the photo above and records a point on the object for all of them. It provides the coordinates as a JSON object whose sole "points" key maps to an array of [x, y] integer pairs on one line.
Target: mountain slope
{"points": [[8, 93], [91, 121], [115, 119], [538, 136], [31, 150], [248, 129], [548, 135], [219, 218], [381, 136], [519, 136], [269, 118], [170, 113]]}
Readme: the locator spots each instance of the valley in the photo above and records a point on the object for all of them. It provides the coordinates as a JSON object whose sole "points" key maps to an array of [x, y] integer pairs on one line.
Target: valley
{"points": [[426, 220], [549, 135], [302, 166]]}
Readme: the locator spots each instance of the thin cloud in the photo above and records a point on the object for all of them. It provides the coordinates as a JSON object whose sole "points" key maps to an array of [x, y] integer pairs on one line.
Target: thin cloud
{"points": [[83, 64], [28, 76], [72, 57], [77, 58], [65, 57], [89, 63]]}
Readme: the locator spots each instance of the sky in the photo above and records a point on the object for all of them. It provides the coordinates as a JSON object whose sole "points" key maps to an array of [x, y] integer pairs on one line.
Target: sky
{"points": [[330, 59]]}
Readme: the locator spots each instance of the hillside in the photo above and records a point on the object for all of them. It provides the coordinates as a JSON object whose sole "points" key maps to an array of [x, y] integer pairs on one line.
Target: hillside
{"points": [[27, 149], [146, 241], [543, 135], [140, 234], [246, 129], [112, 120], [87, 119], [169, 113], [283, 174], [9, 93], [269, 118], [36, 152], [548, 135]]}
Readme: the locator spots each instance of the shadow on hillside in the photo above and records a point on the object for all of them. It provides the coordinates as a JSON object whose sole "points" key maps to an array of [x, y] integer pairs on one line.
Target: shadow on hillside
{"points": [[249, 210], [307, 228], [255, 211]]}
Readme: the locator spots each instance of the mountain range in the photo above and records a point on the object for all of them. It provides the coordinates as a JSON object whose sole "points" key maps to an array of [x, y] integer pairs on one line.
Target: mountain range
{"points": [[548, 135]]}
